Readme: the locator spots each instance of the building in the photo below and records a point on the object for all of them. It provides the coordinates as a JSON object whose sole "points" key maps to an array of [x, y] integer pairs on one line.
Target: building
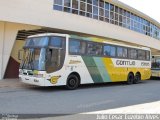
{"points": [[109, 19]]}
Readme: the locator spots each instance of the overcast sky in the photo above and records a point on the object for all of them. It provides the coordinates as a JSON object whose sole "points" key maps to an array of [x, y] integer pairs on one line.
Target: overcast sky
{"points": [[149, 7]]}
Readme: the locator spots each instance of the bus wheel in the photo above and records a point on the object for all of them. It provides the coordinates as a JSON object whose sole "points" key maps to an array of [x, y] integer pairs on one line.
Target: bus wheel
{"points": [[72, 82], [130, 78], [137, 78]]}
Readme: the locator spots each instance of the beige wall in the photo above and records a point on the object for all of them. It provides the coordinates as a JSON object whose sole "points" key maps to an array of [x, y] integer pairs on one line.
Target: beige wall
{"points": [[23, 14], [41, 13], [8, 33], [1, 47]]}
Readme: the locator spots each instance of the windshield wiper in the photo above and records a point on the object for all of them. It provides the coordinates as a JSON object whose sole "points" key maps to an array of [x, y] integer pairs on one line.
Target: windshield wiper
{"points": [[25, 61], [30, 61]]}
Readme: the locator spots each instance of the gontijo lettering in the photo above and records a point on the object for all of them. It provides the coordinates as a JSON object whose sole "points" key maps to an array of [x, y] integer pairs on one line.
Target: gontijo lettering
{"points": [[124, 62]]}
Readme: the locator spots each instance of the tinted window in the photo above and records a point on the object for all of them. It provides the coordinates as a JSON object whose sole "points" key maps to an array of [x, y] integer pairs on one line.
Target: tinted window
{"points": [[132, 53], [109, 51], [122, 52], [37, 42], [74, 46], [147, 55], [94, 49], [56, 42], [77, 46], [141, 55]]}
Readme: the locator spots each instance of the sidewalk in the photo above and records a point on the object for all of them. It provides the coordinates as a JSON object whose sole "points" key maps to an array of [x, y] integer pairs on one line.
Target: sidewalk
{"points": [[141, 110], [146, 108], [11, 83]]}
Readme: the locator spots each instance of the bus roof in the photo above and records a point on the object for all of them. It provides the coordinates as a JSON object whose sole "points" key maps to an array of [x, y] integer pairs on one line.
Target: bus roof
{"points": [[125, 45], [78, 37], [48, 34]]}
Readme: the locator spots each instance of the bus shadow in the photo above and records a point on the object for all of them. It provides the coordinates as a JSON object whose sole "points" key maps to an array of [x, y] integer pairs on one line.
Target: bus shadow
{"points": [[155, 78], [83, 86]]}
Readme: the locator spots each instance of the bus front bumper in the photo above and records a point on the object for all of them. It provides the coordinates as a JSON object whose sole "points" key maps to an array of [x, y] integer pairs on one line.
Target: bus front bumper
{"points": [[32, 80]]}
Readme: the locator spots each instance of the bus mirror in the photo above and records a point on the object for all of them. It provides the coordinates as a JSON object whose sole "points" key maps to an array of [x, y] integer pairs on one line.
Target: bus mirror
{"points": [[20, 54]]}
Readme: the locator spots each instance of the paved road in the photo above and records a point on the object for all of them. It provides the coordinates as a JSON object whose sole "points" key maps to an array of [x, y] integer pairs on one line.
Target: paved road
{"points": [[88, 98]]}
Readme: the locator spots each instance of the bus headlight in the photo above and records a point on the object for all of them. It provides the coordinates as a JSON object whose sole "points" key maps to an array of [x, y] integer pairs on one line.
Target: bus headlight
{"points": [[20, 72]]}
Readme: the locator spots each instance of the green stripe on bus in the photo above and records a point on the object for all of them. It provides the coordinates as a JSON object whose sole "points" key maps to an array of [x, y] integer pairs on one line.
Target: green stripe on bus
{"points": [[101, 67], [93, 70]]}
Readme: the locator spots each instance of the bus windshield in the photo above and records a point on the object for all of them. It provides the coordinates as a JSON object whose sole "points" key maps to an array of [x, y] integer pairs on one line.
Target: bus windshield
{"points": [[156, 62], [43, 53], [37, 42], [34, 59]]}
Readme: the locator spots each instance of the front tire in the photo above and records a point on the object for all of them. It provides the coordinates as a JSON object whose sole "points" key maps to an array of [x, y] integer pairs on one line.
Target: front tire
{"points": [[72, 82], [130, 79]]}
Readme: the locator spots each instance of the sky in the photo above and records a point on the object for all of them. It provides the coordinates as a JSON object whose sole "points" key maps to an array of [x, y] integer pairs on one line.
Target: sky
{"points": [[149, 7]]}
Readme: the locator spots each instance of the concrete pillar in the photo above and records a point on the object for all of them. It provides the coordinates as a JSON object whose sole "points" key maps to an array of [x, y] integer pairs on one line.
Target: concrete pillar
{"points": [[2, 29], [8, 33]]}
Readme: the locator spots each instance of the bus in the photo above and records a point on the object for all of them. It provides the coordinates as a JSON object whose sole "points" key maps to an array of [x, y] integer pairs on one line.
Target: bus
{"points": [[155, 67], [53, 59]]}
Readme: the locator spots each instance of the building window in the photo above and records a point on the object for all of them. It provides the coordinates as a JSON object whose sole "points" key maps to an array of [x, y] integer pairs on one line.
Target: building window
{"points": [[111, 7], [106, 5], [58, 2], [57, 7], [74, 11], [89, 1], [82, 6], [101, 3], [95, 12], [75, 4], [95, 2], [89, 8], [67, 3], [106, 15], [104, 11]]}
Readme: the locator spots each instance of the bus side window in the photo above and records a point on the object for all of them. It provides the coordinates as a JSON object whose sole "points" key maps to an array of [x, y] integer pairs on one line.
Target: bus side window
{"points": [[122, 52], [132, 54], [56, 42], [77, 46], [94, 49], [147, 55], [74, 46], [109, 51], [141, 55], [119, 52]]}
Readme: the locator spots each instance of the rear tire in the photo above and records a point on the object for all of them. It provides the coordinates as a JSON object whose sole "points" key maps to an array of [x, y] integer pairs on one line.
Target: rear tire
{"points": [[72, 82], [130, 79], [137, 78]]}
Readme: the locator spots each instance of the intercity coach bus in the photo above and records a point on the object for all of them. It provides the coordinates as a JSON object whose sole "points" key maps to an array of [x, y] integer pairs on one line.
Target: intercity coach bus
{"points": [[52, 59]]}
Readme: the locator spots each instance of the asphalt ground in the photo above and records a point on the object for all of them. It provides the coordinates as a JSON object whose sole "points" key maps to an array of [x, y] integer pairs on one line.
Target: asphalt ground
{"points": [[29, 101]]}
